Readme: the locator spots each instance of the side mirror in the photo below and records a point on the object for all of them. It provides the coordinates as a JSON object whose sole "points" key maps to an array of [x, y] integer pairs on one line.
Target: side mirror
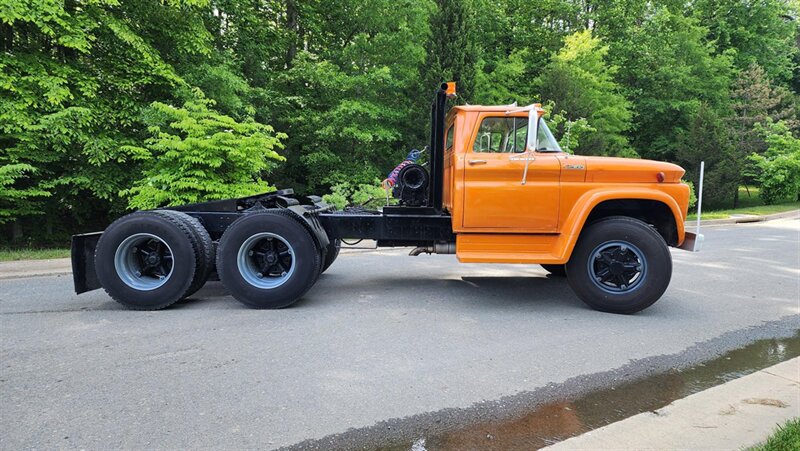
{"points": [[530, 145], [533, 130]]}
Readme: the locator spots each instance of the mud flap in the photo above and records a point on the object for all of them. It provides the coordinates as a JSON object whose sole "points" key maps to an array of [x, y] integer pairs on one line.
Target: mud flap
{"points": [[83, 272], [693, 242]]}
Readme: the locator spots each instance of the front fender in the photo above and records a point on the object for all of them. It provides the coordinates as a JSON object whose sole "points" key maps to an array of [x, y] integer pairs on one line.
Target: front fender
{"points": [[583, 207]]}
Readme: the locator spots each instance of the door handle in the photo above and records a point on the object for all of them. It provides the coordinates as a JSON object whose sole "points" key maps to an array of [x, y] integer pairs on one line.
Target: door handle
{"points": [[477, 161]]}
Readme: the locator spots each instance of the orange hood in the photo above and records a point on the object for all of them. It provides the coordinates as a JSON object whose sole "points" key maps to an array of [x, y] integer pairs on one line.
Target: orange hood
{"points": [[630, 170]]}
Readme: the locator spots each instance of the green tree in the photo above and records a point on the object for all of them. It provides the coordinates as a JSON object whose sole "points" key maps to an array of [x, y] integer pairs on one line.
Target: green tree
{"points": [[707, 139], [196, 154], [754, 100], [351, 102], [670, 68], [778, 169], [75, 76], [505, 82], [452, 53], [580, 82], [17, 199], [761, 32]]}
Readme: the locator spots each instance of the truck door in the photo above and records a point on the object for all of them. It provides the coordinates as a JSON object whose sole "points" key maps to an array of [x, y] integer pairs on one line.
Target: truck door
{"points": [[495, 196]]}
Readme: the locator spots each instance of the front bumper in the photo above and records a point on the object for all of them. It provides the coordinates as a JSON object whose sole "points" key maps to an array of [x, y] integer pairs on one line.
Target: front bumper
{"points": [[693, 242]]}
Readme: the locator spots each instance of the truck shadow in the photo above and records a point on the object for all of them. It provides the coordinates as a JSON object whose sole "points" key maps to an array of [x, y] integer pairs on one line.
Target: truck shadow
{"points": [[533, 292]]}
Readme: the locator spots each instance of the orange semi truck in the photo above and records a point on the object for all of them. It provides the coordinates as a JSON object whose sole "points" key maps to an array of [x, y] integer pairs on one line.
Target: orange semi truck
{"points": [[498, 189]]}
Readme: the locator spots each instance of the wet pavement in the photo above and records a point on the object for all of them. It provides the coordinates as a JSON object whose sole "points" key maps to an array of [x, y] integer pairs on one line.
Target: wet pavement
{"points": [[555, 421]]}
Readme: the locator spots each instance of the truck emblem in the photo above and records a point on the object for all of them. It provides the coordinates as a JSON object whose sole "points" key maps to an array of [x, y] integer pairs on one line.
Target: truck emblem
{"points": [[573, 166]]}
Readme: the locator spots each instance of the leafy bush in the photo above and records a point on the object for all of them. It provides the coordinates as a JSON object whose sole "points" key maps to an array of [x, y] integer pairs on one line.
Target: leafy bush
{"points": [[15, 199], [778, 169], [196, 154], [362, 195], [692, 195]]}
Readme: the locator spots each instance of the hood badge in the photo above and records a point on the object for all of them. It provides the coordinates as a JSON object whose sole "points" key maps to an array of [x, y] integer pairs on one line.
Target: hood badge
{"points": [[573, 166]]}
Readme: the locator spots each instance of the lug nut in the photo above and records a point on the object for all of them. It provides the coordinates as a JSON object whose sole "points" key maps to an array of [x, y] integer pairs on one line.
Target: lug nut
{"points": [[260, 276]]}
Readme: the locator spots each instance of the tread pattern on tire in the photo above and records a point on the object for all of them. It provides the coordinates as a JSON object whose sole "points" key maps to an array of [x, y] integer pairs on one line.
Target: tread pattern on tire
{"points": [[203, 245], [575, 279], [307, 228], [175, 221], [317, 263]]}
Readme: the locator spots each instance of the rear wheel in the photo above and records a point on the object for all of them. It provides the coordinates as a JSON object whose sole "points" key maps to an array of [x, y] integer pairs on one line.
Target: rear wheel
{"points": [[267, 260], [146, 260], [556, 270], [333, 251], [201, 241], [620, 265]]}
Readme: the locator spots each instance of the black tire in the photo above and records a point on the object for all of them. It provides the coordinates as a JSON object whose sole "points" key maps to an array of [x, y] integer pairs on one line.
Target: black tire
{"points": [[631, 270], [333, 251], [261, 229], [122, 236], [556, 270], [203, 245]]}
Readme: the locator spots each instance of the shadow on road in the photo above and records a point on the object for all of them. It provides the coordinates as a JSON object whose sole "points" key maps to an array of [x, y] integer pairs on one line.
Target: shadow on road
{"points": [[492, 292]]}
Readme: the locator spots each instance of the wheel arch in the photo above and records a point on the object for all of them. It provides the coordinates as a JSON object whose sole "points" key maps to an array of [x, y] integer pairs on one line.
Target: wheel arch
{"points": [[653, 212], [648, 205]]}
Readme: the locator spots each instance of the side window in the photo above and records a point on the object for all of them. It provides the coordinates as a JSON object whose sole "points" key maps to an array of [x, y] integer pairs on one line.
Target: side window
{"points": [[448, 141], [501, 134]]}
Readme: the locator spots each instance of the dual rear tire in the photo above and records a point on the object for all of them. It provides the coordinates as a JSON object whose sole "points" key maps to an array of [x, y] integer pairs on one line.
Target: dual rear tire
{"points": [[268, 260], [149, 260]]}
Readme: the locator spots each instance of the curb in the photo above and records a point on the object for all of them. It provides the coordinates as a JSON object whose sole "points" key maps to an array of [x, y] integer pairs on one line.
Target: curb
{"points": [[737, 414], [19, 269], [744, 219], [35, 274]]}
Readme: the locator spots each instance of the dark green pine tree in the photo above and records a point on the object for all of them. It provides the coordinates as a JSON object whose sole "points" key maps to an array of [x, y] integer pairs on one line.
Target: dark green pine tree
{"points": [[452, 53]]}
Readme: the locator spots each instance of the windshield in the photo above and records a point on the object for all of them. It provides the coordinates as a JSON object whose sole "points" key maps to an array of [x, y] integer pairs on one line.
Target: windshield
{"points": [[545, 141]]}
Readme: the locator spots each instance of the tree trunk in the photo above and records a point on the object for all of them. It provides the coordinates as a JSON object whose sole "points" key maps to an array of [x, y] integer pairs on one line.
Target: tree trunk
{"points": [[16, 231], [292, 27]]}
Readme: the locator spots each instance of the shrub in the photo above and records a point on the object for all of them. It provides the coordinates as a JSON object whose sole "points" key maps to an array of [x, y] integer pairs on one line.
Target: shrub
{"points": [[778, 169]]}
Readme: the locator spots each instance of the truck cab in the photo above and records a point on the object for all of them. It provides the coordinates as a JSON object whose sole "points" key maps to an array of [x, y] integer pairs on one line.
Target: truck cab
{"points": [[497, 188]]}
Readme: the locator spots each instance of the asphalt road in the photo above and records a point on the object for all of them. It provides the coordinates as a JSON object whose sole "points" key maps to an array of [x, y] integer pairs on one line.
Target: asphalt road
{"points": [[381, 336]]}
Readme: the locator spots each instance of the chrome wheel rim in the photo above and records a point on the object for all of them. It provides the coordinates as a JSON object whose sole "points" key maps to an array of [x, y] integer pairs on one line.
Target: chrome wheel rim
{"points": [[144, 262], [617, 267], [266, 260]]}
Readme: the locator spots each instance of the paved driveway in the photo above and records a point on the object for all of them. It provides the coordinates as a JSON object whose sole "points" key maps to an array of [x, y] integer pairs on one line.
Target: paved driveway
{"points": [[381, 336]]}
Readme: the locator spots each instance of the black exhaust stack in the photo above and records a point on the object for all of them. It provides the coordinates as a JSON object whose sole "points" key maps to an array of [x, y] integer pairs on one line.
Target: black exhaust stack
{"points": [[438, 111]]}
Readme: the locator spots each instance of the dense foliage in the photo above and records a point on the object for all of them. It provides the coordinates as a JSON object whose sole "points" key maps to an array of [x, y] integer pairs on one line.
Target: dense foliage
{"points": [[778, 169], [110, 105]]}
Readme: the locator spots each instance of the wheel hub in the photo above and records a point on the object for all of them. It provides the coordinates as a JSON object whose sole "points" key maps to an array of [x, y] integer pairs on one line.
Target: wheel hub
{"points": [[266, 260], [617, 267], [143, 261]]}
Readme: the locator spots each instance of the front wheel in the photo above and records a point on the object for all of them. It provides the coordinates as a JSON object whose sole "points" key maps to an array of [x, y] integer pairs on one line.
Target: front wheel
{"points": [[620, 265]]}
